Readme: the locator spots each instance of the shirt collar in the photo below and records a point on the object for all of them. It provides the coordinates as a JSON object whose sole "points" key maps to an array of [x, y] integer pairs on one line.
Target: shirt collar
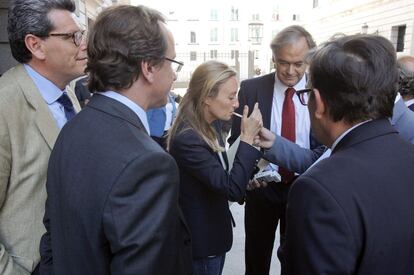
{"points": [[49, 91], [131, 105], [409, 102], [300, 85]]}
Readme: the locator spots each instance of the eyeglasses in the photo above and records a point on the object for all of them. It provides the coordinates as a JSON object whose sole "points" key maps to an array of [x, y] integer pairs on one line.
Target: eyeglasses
{"points": [[175, 65], [76, 36], [303, 95]]}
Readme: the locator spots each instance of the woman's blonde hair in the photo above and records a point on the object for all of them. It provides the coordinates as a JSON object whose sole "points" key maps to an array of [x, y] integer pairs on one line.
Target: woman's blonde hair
{"points": [[205, 82]]}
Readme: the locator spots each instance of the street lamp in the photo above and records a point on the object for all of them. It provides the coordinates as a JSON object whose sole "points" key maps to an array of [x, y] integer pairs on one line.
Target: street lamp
{"points": [[364, 28]]}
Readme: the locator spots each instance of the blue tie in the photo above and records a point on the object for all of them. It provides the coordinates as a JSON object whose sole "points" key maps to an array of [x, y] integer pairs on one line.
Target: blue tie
{"points": [[67, 105]]}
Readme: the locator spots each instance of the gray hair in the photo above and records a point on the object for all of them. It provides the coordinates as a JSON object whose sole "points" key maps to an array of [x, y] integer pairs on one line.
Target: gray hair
{"points": [[31, 17], [291, 35]]}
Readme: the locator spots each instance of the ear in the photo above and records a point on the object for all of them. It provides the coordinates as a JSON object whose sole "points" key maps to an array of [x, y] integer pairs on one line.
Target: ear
{"points": [[148, 71], [36, 46], [320, 106], [207, 101]]}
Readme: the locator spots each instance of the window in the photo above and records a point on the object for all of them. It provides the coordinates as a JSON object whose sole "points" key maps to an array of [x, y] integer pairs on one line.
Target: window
{"points": [[256, 54], [193, 38], [234, 35], [295, 17], [213, 15], [213, 54], [256, 32], [234, 14], [315, 3], [401, 38], [214, 35], [398, 37], [255, 17], [193, 56], [234, 54]]}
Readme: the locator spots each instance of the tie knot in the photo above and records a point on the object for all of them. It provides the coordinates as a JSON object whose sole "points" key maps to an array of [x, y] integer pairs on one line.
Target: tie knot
{"points": [[65, 101], [290, 92]]}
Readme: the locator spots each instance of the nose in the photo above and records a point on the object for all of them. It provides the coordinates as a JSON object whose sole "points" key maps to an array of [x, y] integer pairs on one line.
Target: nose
{"points": [[236, 104], [175, 76], [291, 69], [83, 44]]}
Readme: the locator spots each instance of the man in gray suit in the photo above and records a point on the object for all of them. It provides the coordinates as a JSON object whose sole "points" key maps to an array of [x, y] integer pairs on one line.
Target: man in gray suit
{"points": [[34, 105]]}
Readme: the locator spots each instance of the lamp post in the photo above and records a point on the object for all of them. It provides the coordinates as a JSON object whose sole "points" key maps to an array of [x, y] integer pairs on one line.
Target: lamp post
{"points": [[364, 28]]}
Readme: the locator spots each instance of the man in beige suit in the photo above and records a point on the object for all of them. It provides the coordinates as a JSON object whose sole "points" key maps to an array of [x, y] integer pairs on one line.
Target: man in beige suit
{"points": [[34, 105]]}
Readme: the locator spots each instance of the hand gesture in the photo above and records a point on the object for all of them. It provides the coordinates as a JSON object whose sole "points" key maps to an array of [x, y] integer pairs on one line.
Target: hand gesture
{"points": [[250, 126], [264, 139]]}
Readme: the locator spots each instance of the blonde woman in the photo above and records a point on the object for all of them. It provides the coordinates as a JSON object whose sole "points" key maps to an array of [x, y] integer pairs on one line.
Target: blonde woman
{"points": [[206, 183]]}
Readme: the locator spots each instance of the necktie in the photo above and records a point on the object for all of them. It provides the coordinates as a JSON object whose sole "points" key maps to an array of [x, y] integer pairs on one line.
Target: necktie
{"points": [[67, 106], [288, 128]]}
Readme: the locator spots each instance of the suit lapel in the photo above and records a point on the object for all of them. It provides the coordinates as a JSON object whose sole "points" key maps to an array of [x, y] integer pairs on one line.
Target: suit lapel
{"points": [[72, 96], [265, 98], [217, 126], [43, 118]]}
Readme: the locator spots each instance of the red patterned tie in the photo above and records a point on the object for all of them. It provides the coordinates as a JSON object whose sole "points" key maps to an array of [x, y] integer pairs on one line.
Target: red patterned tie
{"points": [[288, 128]]}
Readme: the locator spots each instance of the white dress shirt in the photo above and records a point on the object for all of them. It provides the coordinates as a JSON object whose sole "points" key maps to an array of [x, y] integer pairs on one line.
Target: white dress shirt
{"points": [[302, 121]]}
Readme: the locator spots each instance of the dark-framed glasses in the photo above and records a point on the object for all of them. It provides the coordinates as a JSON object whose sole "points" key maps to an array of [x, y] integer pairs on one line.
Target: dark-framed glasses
{"points": [[76, 36], [175, 65], [303, 95]]}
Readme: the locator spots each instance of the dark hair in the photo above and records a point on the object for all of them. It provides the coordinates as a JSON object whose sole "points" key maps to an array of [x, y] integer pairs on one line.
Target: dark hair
{"points": [[356, 76], [31, 17], [120, 40], [406, 77], [290, 35]]}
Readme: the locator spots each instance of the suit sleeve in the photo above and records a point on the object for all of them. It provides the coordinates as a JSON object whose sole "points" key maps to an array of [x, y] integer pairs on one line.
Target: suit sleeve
{"points": [[318, 237], [140, 216], [291, 156], [45, 247], [235, 127], [7, 265], [197, 159]]}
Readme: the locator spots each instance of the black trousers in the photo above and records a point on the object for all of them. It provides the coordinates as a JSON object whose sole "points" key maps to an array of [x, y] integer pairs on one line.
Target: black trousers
{"points": [[265, 208]]}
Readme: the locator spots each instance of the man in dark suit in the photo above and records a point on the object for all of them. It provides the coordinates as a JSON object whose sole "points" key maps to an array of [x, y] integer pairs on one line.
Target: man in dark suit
{"points": [[406, 89], [35, 102], [342, 212], [112, 205], [282, 114]]}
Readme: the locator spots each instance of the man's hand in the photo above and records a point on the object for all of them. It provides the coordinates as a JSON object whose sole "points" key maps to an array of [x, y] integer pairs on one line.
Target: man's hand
{"points": [[265, 138], [254, 184]]}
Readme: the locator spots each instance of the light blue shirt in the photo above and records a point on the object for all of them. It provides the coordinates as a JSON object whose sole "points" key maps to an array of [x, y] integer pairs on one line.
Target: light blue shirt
{"points": [[142, 115], [50, 93]]}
